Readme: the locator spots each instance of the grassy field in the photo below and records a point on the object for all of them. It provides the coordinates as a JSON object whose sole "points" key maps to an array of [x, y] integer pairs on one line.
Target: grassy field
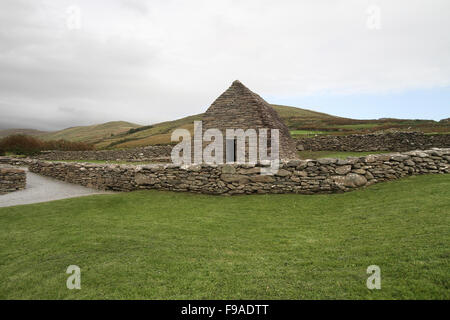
{"points": [[302, 133], [163, 245]]}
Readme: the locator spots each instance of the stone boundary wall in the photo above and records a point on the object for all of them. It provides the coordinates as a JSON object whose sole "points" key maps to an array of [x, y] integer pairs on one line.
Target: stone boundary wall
{"points": [[397, 141], [12, 179], [23, 162], [150, 153], [294, 176]]}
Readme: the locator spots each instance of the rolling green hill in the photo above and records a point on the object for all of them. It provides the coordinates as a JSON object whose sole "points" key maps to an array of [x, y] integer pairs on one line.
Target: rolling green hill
{"points": [[287, 112], [301, 122], [91, 134], [121, 134], [160, 133], [30, 132]]}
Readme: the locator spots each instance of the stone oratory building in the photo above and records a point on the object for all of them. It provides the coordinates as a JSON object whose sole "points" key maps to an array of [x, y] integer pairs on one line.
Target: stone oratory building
{"points": [[240, 108]]}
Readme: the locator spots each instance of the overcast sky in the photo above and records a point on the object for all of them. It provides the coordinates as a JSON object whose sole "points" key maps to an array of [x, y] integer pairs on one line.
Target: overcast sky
{"points": [[66, 63]]}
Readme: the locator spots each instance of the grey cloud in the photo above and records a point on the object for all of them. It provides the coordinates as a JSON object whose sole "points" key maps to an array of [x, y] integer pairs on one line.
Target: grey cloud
{"points": [[151, 61], [137, 6]]}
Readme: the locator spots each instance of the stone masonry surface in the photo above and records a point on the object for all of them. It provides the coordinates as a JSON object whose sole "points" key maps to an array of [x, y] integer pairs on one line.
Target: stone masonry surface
{"points": [[150, 153], [397, 141], [240, 108], [12, 179], [295, 176]]}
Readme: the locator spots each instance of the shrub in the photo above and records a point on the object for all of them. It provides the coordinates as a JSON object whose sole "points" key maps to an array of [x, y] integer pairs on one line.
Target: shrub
{"points": [[134, 130], [28, 145], [21, 144]]}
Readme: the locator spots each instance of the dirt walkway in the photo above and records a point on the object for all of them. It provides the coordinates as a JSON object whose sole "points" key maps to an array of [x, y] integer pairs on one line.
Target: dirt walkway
{"points": [[42, 189]]}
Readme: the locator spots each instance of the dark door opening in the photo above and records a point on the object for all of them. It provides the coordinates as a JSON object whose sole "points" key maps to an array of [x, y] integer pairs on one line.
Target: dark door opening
{"points": [[231, 150]]}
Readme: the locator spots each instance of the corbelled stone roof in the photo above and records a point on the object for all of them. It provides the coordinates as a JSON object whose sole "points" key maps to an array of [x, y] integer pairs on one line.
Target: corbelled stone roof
{"points": [[240, 108]]}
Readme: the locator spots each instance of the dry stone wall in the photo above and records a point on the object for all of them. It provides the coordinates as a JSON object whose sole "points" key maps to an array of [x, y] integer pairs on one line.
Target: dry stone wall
{"points": [[150, 153], [12, 179], [294, 176], [397, 141]]}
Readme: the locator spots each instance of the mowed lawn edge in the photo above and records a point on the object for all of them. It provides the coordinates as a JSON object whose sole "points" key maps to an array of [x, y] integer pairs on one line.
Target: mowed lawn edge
{"points": [[166, 245]]}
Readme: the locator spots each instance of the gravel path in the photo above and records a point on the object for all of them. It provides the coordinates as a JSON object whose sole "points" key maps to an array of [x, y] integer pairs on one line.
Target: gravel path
{"points": [[42, 189]]}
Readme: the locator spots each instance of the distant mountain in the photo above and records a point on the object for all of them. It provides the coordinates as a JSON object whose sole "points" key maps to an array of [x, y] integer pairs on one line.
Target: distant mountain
{"points": [[31, 132], [301, 122]]}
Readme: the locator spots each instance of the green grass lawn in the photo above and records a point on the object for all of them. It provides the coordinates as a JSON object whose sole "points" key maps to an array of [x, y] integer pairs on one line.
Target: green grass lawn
{"points": [[335, 154], [359, 125], [164, 245], [307, 132]]}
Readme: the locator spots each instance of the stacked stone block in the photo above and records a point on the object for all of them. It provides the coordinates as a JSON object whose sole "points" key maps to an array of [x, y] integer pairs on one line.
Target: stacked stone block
{"points": [[294, 176], [12, 179], [397, 141]]}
